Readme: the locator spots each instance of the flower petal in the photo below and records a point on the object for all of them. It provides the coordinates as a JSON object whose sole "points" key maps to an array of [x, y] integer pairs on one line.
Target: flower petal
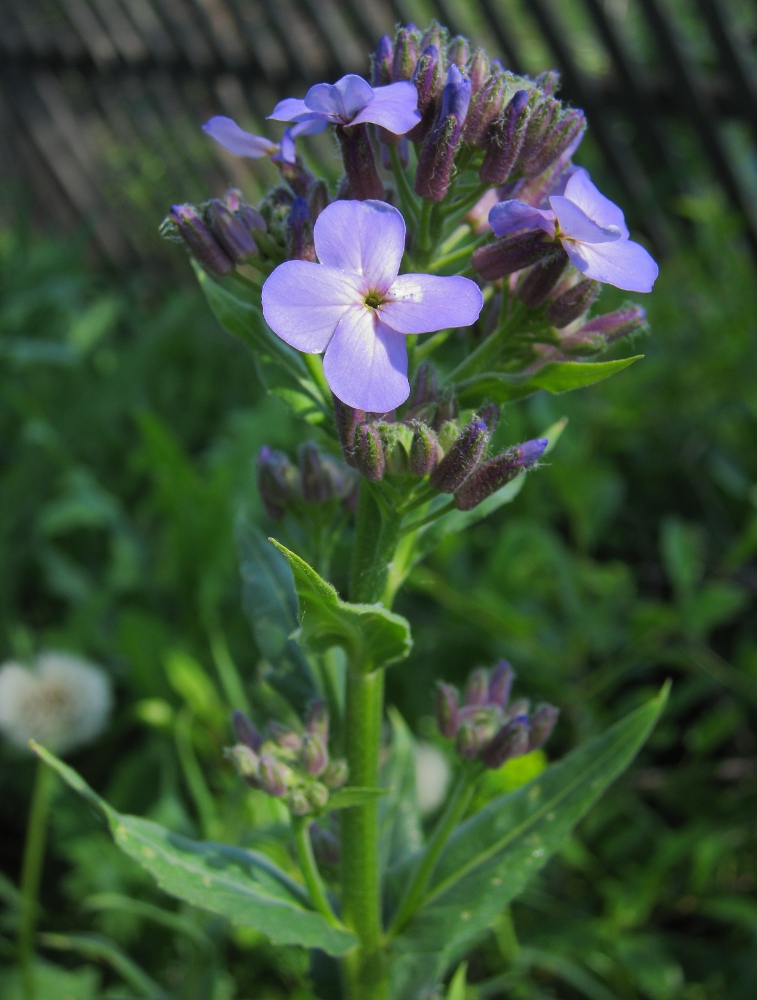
{"points": [[291, 109], [303, 303], [512, 216], [228, 134], [395, 107], [366, 363], [623, 263], [582, 192], [355, 93], [311, 125], [363, 237], [576, 224], [422, 303], [287, 152]]}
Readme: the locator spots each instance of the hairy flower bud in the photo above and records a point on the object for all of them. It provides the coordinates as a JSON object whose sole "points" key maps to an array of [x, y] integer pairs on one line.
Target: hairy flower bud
{"points": [[551, 131], [447, 710], [186, 221], [230, 231], [500, 684], [548, 82], [477, 727], [425, 387], [542, 723], [336, 774], [320, 474], [246, 731], [447, 434], [278, 481], [317, 795], [252, 219], [437, 156], [370, 460], [507, 137], [486, 108], [246, 762], [298, 803], [510, 741], [318, 199], [315, 756], [615, 325], [458, 51], [489, 413], [317, 719], [424, 450], [494, 474], [572, 303], [477, 688], [428, 79], [540, 281], [406, 53], [436, 35], [299, 232], [284, 737], [478, 70], [347, 421], [461, 459], [272, 775], [514, 252], [381, 62], [360, 163]]}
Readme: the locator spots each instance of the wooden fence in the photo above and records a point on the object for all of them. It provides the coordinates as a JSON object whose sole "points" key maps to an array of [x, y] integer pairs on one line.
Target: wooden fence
{"points": [[101, 100]]}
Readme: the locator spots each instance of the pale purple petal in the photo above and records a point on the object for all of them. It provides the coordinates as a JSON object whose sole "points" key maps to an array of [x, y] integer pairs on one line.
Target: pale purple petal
{"points": [[582, 192], [366, 363], [228, 134], [512, 216], [576, 225], [287, 152], [291, 109], [422, 303], [325, 100], [363, 237], [562, 181], [355, 93], [309, 126], [625, 264], [303, 302], [395, 107]]}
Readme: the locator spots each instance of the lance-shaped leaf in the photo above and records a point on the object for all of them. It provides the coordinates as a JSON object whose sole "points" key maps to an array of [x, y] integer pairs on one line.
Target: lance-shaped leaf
{"points": [[489, 858], [244, 886], [371, 636], [555, 377]]}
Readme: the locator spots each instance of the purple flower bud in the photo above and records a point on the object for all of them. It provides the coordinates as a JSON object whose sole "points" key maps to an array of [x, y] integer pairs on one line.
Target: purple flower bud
{"points": [[429, 81], [511, 741], [278, 481], [234, 201], [406, 53], [370, 460], [298, 804], [272, 775], [321, 476], [542, 723], [299, 232], [424, 450], [246, 731], [347, 420], [478, 70], [496, 66], [381, 62], [548, 82], [477, 688], [436, 35], [447, 710], [520, 707], [317, 795], [245, 761], [425, 387], [437, 155], [446, 410], [477, 728], [494, 474], [230, 231], [455, 96], [461, 459], [318, 199], [500, 683], [315, 756], [284, 737], [540, 281], [360, 163], [317, 719], [485, 110], [615, 325], [572, 303], [507, 138], [458, 51], [514, 252], [336, 774], [199, 240], [551, 130], [490, 416]]}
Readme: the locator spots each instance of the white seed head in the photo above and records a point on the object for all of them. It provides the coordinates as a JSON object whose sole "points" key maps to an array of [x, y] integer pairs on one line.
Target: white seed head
{"points": [[62, 702], [432, 775]]}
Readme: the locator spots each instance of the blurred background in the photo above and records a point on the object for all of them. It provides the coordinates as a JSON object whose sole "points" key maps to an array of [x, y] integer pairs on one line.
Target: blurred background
{"points": [[129, 424]]}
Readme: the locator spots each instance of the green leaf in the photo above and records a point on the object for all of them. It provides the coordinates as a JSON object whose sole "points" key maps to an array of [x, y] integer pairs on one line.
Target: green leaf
{"points": [[456, 989], [243, 886], [370, 635], [555, 377], [52, 981], [346, 798], [489, 858]]}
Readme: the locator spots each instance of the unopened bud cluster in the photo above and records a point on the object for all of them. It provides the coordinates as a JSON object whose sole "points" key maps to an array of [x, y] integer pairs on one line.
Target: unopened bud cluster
{"points": [[486, 725], [287, 764], [318, 477]]}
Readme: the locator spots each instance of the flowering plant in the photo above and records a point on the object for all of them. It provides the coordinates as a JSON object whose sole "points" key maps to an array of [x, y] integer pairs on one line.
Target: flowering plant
{"points": [[451, 274]]}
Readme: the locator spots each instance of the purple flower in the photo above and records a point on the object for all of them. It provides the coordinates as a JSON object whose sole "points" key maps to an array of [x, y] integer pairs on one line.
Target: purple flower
{"points": [[355, 306], [228, 134], [352, 101], [591, 229]]}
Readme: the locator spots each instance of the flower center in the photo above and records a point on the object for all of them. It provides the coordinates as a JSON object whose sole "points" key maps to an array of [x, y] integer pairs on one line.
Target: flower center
{"points": [[374, 299]]}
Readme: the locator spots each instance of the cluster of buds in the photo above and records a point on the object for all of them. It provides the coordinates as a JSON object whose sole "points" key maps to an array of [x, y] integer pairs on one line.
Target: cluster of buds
{"points": [[317, 478], [428, 440], [588, 337], [487, 726], [290, 765]]}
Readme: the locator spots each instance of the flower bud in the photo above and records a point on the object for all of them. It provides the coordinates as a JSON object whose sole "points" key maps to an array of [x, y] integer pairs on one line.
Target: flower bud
{"points": [[548, 82], [252, 219], [315, 756], [185, 220], [500, 683], [230, 231], [284, 737], [299, 232], [478, 70], [615, 325], [347, 421], [446, 410], [447, 434], [317, 795], [317, 719], [321, 476], [246, 731], [396, 439], [425, 387], [424, 450], [520, 707], [447, 710], [461, 459], [272, 775], [510, 741], [381, 63], [542, 723], [369, 453], [514, 252], [318, 199], [278, 481], [437, 156], [477, 688], [490, 416], [360, 163], [486, 108], [436, 35], [507, 137], [246, 762], [551, 131], [572, 303], [298, 803], [406, 53], [458, 51], [428, 80], [496, 66], [336, 774], [540, 281], [477, 728], [494, 474]]}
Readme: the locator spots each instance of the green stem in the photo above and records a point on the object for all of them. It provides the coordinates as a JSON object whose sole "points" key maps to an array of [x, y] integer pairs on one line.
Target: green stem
{"points": [[304, 850], [454, 811], [427, 519], [31, 874], [408, 202], [231, 682], [487, 352]]}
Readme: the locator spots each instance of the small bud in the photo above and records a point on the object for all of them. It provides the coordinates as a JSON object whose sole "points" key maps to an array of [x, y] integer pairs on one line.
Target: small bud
{"points": [[461, 459], [458, 51], [246, 762], [548, 82], [298, 803], [317, 719], [540, 281], [615, 325], [246, 731], [542, 723], [360, 163], [447, 434], [381, 62], [500, 684], [446, 410], [336, 774], [494, 474], [315, 756], [477, 728], [486, 108], [317, 795], [234, 201], [200, 241], [230, 231], [396, 440], [478, 70], [272, 775], [424, 450], [284, 737], [321, 476], [436, 35], [510, 741], [278, 481], [318, 199], [572, 303], [477, 688], [490, 416], [496, 66], [425, 387], [514, 252], [447, 710], [551, 131], [507, 137], [347, 421], [299, 232], [428, 80], [369, 453], [437, 156], [405, 54]]}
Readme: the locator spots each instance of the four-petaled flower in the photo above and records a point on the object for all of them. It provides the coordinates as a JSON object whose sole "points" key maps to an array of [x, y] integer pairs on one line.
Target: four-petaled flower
{"points": [[235, 140], [352, 101], [355, 306], [590, 227]]}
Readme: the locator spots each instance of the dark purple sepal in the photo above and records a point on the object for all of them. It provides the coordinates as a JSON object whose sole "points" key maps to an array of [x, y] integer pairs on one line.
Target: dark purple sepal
{"points": [[347, 420], [514, 252], [425, 387], [548, 82], [315, 756], [615, 325], [299, 232], [461, 459], [246, 731], [478, 70], [497, 472], [458, 51], [406, 52], [381, 62], [428, 79], [486, 109], [510, 741], [506, 140], [447, 710], [500, 684], [360, 163], [477, 688], [543, 721], [424, 450], [540, 280], [370, 460], [573, 303], [199, 240], [278, 481], [318, 199], [272, 776]]}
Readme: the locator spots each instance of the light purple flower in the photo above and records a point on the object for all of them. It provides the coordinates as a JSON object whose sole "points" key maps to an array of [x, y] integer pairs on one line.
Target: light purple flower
{"points": [[590, 227], [352, 101], [228, 134], [355, 306]]}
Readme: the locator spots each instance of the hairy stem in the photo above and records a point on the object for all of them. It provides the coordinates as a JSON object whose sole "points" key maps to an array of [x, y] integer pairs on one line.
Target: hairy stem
{"points": [[304, 851], [31, 874]]}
